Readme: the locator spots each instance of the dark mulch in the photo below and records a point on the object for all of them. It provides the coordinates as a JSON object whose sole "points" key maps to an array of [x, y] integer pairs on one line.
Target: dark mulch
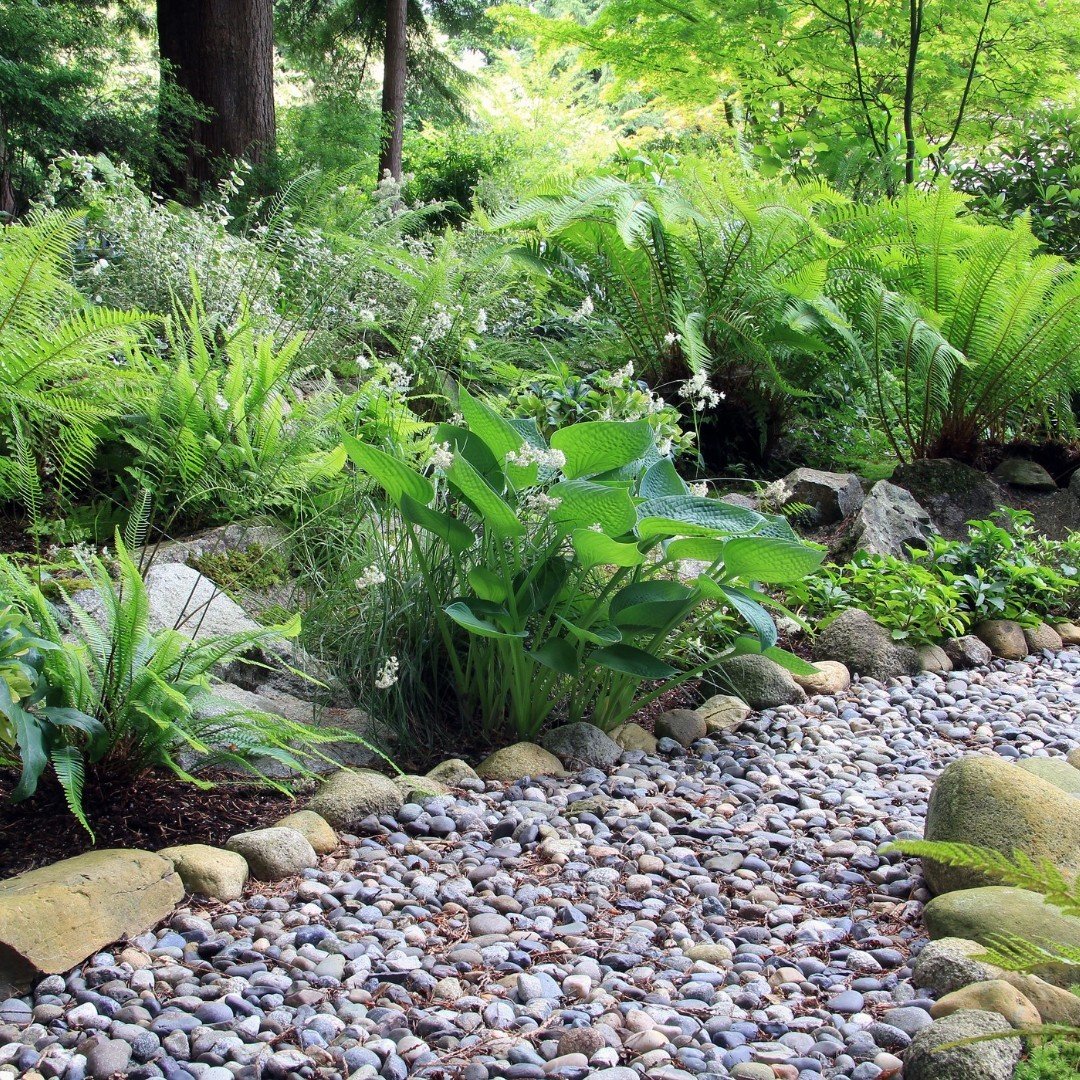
{"points": [[13, 535], [152, 812]]}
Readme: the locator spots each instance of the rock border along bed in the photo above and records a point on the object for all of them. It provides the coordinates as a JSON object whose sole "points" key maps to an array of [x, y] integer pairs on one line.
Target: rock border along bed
{"points": [[723, 912]]}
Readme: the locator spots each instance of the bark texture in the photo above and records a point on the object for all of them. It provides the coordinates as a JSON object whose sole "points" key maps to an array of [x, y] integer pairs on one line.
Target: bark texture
{"points": [[395, 69], [220, 53]]}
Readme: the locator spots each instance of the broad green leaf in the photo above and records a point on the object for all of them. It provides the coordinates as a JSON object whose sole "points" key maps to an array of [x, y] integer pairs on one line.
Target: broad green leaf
{"points": [[557, 654], [649, 605], [497, 515], [30, 740], [596, 635], [395, 477], [770, 559], [690, 515], [463, 614], [475, 451], [629, 660], [457, 535], [488, 585], [583, 502], [751, 610], [696, 548], [498, 435], [536, 591], [598, 446], [596, 549], [777, 525], [787, 660], [662, 480]]}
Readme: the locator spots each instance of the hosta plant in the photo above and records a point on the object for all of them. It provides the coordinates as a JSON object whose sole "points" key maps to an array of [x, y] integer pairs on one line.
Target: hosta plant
{"points": [[565, 574]]}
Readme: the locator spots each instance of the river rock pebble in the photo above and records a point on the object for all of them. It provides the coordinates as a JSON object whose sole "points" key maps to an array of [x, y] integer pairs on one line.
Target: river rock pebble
{"points": [[710, 913]]}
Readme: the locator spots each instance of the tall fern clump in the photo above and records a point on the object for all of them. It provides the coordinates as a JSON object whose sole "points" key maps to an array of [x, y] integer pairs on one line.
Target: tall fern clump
{"points": [[964, 331], [233, 428], [66, 366], [707, 281]]}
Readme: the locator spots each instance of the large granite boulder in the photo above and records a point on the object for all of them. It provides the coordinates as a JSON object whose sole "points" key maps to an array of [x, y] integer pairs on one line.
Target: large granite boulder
{"points": [[631, 736], [890, 522], [237, 536], [685, 726], [723, 712], [934, 659], [1003, 637], [1055, 1004], [991, 1059], [209, 871], [948, 964], [1019, 472], [518, 761], [348, 796], [1068, 632], [968, 652], [582, 744], [454, 771], [831, 677], [1042, 638], [831, 496], [992, 803], [762, 683], [1056, 771], [275, 853], [987, 914], [865, 648], [53, 918], [314, 828], [993, 995]]}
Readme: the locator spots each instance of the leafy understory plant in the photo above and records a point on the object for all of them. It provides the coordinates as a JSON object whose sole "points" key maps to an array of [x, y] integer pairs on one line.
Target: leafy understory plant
{"points": [[123, 698], [577, 569]]}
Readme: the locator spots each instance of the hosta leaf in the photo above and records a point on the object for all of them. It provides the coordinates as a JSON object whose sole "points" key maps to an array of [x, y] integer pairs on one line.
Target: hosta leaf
{"points": [[395, 477], [690, 515], [787, 660], [696, 548], [558, 655], [751, 610], [475, 451], [595, 635], [662, 480], [770, 559], [497, 514], [598, 446], [464, 615], [596, 549], [498, 435], [457, 535], [629, 660], [488, 585], [649, 605], [583, 502]]}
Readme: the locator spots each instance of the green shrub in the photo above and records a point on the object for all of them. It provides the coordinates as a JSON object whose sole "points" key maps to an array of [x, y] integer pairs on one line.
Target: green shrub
{"points": [[1058, 1060], [561, 577]]}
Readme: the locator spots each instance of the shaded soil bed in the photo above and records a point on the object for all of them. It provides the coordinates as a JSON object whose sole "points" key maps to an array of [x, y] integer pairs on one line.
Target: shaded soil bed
{"points": [[151, 813]]}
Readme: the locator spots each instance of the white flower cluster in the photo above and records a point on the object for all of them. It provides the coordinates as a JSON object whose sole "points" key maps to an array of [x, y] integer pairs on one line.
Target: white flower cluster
{"points": [[534, 455], [369, 577], [699, 393], [387, 675], [442, 457], [671, 338], [616, 380], [541, 503], [701, 490]]}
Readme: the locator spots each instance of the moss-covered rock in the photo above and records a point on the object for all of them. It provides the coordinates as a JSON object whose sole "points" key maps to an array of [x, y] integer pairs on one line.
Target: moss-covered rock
{"points": [[991, 803], [1056, 771]]}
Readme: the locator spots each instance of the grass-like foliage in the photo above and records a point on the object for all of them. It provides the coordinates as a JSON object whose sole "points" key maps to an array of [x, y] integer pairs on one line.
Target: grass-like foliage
{"points": [[110, 693]]}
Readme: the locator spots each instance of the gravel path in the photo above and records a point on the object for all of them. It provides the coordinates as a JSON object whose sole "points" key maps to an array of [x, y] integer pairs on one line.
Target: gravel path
{"points": [[710, 914]]}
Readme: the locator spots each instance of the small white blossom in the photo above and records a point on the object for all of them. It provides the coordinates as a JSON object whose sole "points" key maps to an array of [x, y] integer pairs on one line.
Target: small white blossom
{"points": [[701, 490], [663, 448], [371, 576], [584, 311], [700, 394], [481, 321], [400, 379], [387, 675], [619, 378], [534, 455], [671, 338], [442, 457], [541, 503]]}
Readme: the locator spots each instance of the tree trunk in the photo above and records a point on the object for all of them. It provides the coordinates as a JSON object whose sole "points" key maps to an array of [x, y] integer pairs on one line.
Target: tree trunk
{"points": [[220, 54], [395, 67], [915, 17]]}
